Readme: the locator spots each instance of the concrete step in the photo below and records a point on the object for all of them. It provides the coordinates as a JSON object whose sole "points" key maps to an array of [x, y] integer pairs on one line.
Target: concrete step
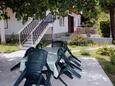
{"points": [[27, 44], [24, 48]]}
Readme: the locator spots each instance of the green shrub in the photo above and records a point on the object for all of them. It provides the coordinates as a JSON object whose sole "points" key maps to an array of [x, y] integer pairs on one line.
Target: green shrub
{"points": [[112, 57], [102, 16], [105, 28], [104, 51], [79, 40], [110, 68], [84, 53]]}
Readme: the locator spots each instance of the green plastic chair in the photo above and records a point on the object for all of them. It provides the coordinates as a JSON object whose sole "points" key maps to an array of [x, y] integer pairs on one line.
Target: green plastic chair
{"points": [[63, 44], [33, 72], [26, 54], [67, 65]]}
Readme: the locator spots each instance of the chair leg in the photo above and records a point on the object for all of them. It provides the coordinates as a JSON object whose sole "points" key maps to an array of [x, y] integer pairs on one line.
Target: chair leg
{"points": [[62, 81], [21, 77], [68, 74], [76, 58], [28, 83], [15, 67], [48, 75], [73, 65], [74, 72], [38, 82], [73, 60]]}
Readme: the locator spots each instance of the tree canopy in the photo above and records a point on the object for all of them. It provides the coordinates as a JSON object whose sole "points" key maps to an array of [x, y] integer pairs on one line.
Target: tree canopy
{"points": [[38, 8]]}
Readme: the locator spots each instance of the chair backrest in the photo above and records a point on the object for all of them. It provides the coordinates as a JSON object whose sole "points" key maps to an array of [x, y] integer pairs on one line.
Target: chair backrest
{"points": [[58, 44], [29, 51], [36, 61], [61, 54], [39, 45]]}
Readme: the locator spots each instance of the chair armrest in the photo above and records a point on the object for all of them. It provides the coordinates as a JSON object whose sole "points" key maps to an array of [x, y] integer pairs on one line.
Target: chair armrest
{"points": [[15, 67]]}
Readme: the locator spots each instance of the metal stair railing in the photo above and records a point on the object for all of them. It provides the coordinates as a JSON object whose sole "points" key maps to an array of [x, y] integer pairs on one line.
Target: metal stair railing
{"points": [[25, 32], [40, 28]]}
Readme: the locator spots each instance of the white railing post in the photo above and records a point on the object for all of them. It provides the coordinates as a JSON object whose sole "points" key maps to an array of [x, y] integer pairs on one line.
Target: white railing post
{"points": [[32, 39], [20, 44]]}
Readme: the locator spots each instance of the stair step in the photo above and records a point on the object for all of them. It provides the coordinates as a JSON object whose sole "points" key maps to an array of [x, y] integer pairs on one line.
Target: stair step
{"points": [[27, 44], [29, 39], [38, 33], [25, 47]]}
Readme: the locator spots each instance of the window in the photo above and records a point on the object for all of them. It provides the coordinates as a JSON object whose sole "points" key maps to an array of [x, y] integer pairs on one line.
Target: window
{"points": [[61, 21]]}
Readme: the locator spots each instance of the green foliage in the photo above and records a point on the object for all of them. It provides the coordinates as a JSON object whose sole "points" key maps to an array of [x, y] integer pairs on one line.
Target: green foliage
{"points": [[105, 28], [104, 51], [109, 68], [3, 16], [112, 57], [102, 17], [85, 53], [8, 48], [105, 4], [12, 39], [38, 8], [107, 52], [79, 40]]}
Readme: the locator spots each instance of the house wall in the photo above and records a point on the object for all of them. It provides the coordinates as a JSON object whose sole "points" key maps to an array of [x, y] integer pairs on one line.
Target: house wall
{"points": [[13, 25], [60, 29]]}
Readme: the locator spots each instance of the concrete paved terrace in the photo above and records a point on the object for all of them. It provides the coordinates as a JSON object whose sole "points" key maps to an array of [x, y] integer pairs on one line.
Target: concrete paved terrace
{"points": [[92, 74]]}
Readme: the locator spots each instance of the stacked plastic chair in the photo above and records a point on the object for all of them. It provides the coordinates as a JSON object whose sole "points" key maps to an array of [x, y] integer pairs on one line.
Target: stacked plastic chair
{"points": [[36, 60], [70, 62], [71, 57]]}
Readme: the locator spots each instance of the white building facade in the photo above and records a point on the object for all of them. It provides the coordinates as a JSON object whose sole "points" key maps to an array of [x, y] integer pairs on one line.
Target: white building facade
{"points": [[60, 26]]}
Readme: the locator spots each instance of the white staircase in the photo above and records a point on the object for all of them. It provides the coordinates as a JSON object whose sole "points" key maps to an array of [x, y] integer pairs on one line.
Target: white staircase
{"points": [[34, 31]]}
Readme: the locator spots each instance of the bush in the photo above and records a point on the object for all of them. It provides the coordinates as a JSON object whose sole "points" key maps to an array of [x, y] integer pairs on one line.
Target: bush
{"points": [[84, 53], [110, 68], [104, 51], [105, 28], [107, 52], [79, 40], [112, 57]]}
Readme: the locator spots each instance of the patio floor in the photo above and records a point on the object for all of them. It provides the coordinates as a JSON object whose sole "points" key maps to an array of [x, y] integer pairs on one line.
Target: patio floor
{"points": [[92, 74]]}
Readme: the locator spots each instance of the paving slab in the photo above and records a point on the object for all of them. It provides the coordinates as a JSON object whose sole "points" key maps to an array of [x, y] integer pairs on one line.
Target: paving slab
{"points": [[92, 74]]}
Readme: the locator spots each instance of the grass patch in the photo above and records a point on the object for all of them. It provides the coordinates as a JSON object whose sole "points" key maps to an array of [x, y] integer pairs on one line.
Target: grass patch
{"points": [[85, 53], [8, 48]]}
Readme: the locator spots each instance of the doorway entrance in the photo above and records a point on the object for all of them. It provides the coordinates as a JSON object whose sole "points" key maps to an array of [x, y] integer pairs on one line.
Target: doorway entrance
{"points": [[70, 24]]}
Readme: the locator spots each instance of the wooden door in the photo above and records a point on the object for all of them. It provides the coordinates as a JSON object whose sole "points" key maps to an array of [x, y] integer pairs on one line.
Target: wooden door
{"points": [[70, 24]]}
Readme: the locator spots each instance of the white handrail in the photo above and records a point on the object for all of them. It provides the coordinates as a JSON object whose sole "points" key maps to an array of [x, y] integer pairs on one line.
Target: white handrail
{"points": [[32, 30], [35, 27], [41, 35], [25, 25]]}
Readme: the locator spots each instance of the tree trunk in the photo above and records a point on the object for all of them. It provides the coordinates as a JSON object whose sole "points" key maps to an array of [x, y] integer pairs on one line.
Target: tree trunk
{"points": [[112, 18], [2, 31], [3, 39]]}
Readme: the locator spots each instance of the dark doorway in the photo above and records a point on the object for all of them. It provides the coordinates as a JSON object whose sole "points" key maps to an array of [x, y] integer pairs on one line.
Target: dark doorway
{"points": [[70, 24]]}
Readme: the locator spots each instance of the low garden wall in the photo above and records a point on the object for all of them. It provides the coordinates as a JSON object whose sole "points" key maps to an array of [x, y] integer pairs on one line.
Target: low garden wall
{"points": [[101, 40]]}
